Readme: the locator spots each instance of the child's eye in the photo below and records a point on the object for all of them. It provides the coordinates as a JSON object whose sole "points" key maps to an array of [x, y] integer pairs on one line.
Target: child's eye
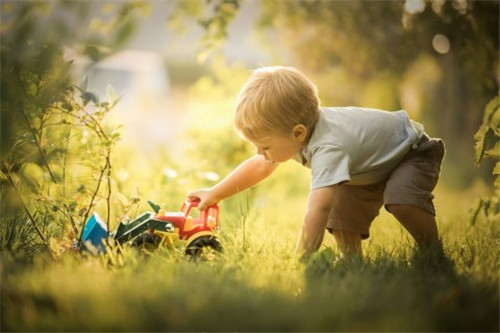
{"points": [[265, 148]]}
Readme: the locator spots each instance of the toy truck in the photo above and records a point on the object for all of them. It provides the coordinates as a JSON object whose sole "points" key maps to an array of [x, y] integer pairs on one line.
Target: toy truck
{"points": [[196, 230]]}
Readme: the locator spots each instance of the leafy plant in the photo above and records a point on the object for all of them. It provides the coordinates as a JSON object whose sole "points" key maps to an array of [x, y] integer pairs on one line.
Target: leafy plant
{"points": [[488, 136], [41, 190], [56, 153], [487, 140]]}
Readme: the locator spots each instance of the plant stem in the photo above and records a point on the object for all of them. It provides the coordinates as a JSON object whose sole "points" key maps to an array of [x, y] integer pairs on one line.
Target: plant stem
{"points": [[101, 175], [39, 146], [30, 216], [65, 161], [108, 199]]}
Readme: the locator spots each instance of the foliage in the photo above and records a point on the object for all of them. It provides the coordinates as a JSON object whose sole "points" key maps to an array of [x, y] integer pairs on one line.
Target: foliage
{"points": [[18, 237], [56, 150], [487, 140], [42, 190], [214, 16], [488, 136], [111, 31]]}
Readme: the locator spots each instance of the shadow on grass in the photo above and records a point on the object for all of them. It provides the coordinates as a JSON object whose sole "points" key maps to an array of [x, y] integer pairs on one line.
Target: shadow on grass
{"points": [[385, 292], [416, 292]]}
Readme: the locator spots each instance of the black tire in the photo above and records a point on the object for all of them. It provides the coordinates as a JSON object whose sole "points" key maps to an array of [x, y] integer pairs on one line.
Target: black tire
{"points": [[204, 247], [147, 241]]}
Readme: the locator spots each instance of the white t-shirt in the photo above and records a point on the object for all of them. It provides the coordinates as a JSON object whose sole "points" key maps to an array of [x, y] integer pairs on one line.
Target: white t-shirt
{"points": [[357, 145]]}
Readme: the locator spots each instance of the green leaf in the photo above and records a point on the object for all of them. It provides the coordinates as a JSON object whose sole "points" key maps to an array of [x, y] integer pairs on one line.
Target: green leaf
{"points": [[491, 108], [90, 96], [476, 208], [124, 32], [496, 169], [482, 136], [496, 182], [96, 52], [493, 152], [495, 122]]}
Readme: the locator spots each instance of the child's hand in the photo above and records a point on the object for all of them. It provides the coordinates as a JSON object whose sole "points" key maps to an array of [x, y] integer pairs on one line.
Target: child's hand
{"points": [[205, 197]]}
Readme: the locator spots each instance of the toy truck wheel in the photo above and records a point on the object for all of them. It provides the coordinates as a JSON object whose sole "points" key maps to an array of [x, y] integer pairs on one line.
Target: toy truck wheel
{"points": [[147, 241], [204, 247]]}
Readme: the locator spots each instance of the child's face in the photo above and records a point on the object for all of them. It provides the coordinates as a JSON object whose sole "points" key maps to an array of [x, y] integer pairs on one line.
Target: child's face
{"points": [[277, 148]]}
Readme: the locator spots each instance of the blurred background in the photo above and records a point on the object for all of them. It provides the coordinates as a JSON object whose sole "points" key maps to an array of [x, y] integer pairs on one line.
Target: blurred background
{"points": [[108, 104], [175, 68]]}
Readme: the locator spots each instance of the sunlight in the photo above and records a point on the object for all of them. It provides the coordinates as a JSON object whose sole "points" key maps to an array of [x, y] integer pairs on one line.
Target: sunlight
{"points": [[122, 108]]}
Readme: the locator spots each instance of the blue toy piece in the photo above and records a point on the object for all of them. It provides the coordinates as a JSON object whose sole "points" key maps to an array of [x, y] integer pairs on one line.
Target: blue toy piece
{"points": [[94, 232]]}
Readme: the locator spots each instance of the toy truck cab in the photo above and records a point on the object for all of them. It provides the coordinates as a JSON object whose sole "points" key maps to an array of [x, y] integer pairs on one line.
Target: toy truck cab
{"points": [[190, 223]]}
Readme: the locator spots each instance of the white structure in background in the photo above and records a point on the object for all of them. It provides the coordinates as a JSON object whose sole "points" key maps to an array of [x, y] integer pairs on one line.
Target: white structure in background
{"points": [[141, 79], [152, 121]]}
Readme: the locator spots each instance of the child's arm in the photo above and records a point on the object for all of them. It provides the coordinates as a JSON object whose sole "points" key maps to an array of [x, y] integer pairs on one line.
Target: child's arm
{"points": [[318, 208], [247, 174]]}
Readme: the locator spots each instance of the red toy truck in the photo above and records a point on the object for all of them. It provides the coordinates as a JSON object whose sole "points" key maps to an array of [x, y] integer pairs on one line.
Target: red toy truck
{"points": [[196, 230]]}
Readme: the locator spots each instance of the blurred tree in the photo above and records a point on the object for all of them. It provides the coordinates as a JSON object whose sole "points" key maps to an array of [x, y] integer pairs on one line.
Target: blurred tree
{"points": [[214, 16], [376, 39]]}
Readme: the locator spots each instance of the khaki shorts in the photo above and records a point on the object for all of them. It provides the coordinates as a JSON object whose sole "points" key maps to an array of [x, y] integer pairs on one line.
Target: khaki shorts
{"points": [[411, 183]]}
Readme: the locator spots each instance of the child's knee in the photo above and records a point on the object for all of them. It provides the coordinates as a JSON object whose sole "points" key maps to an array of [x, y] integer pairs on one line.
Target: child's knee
{"points": [[401, 211], [347, 241], [347, 237]]}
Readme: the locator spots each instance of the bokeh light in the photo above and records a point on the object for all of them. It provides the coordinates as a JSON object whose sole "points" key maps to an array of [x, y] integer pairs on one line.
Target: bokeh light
{"points": [[441, 44]]}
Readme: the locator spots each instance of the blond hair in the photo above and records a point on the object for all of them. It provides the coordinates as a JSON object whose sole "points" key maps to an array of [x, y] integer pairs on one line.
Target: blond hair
{"points": [[275, 99]]}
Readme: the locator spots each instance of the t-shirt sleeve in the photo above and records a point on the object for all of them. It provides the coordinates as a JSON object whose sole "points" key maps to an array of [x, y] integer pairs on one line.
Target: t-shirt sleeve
{"points": [[329, 166]]}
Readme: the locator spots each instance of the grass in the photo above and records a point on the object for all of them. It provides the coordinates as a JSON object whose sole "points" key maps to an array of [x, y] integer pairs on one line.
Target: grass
{"points": [[258, 285]]}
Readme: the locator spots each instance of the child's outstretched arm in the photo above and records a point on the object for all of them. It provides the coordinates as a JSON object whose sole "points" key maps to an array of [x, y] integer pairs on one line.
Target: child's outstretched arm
{"points": [[319, 205], [247, 174]]}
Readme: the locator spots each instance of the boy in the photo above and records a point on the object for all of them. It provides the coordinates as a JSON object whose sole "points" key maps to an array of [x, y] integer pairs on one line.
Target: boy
{"points": [[360, 159]]}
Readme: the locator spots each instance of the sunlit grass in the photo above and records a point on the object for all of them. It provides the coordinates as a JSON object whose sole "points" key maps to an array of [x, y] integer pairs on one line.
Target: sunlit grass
{"points": [[258, 284]]}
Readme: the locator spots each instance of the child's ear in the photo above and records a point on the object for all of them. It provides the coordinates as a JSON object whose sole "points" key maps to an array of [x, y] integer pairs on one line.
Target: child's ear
{"points": [[299, 132]]}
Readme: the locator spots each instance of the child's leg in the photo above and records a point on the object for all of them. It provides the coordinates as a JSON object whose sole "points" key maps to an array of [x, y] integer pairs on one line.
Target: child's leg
{"points": [[354, 208], [420, 223], [348, 242], [408, 193]]}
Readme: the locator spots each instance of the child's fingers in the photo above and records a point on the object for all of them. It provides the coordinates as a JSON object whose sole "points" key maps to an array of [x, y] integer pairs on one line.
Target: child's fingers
{"points": [[202, 205], [193, 195], [202, 196]]}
